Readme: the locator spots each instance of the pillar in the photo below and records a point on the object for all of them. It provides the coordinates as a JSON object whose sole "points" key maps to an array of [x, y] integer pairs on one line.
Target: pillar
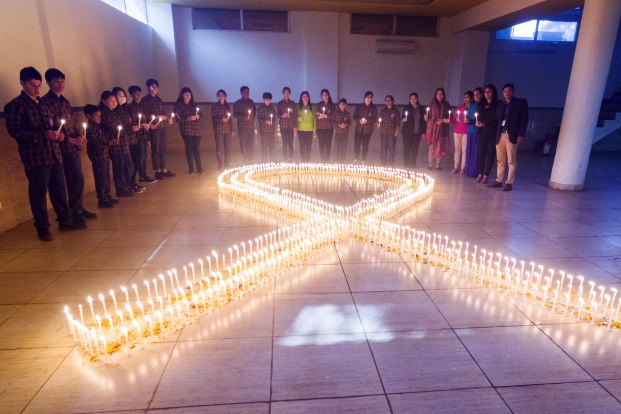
{"points": [[596, 41]]}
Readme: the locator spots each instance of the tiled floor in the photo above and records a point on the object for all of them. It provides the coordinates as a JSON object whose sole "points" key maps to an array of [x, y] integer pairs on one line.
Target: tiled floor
{"points": [[356, 330]]}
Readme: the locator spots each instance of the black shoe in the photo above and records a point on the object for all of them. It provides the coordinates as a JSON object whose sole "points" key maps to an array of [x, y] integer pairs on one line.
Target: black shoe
{"points": [[136, 190], [78, 218], [71, 225], [105, 204], [169, 173], [124, 194], [159, 176], [138, 187], [507, 187], [113, 200], [44, 235], [88, 215], [495, 184], [147, 179]]}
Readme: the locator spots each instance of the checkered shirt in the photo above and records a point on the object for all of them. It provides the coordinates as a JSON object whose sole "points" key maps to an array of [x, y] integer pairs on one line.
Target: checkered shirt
{"points": [[55, 108], [218, 113], [367, 112], [183, 113], [263, 116], [290, 122], [240, 111]]}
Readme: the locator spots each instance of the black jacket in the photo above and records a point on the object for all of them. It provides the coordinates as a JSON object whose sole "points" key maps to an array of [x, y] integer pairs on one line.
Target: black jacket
{"points": [[516, 114]]}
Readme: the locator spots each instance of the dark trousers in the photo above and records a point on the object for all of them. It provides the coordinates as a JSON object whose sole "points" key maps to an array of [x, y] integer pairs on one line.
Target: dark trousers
{"points": [[193, 151], [387, 149], [340, 146], [222, 150], [101, 174], [74, 177], [487, 152], [325, 143], [158, 149], [138, 153], [246, 143], [287, 144], [268, 141], [306, 144], [44, 179], [411, 141], [361, 141], [122, 168]]}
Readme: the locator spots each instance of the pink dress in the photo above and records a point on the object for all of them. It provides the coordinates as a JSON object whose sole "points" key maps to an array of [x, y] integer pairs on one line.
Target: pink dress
{"points": [[438, 134]]}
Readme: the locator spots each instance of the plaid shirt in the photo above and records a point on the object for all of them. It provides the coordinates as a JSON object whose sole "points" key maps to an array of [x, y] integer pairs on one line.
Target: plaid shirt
{"points": [[96, 143], [183, 113], [263, 115], [218, 113], [27, 124], [341, 117], [128, 132], [240, 110], [391, 119], [55, 108], [133, 109], [370, 114], [110, 121], [282, 108], [328, 109], [153, 105]]}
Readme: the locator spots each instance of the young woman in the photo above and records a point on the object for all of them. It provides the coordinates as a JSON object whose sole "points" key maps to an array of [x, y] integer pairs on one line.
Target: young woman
{"points": [[342, 121], [413, 128], [324, 112], [472, 147], [132, 138], [306, 126], [460, 133], [389, 120], [222, 128], [287, 119], [188, 118], [365, 116], [487, 125], [437, 120]]}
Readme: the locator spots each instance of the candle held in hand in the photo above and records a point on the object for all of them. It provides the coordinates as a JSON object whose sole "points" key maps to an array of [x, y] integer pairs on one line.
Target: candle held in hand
{"points": [[118, 136], [62, 122], [84, 126], [139, 119]]}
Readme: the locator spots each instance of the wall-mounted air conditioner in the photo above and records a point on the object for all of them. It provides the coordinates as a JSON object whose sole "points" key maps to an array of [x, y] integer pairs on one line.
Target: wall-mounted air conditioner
{"points": [[403, 47]]}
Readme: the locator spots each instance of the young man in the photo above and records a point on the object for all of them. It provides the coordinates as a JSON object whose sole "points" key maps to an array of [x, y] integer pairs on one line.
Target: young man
{"points": [[365, 116], [138, 151], [266, 114], [288, 120], [244, 110], [155, 107], [59, 116], [342, 121], [389, 121], [97, 150], [512, 115], [115, 128], [40, 154], [222, 128]]}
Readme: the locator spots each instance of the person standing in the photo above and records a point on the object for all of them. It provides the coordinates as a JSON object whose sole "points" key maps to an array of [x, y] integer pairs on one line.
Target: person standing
{"points": [[324, 112], [222, 128], [137, 112], [97, 150], [414, 127], [472, 145], [389, 120], [188, 118], [342, 121], [245, 111], [365, 116], [487, 124], [114, 125], [131, 128], [512, 115], [306, 126], [39, 151], [266, 115], [287, 119], [59, 115], [155, 111], [437, 134], [460, 134]]}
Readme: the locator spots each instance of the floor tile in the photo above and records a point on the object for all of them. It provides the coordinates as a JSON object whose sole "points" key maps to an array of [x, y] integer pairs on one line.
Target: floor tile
{"points": [[359, 405], [434, 278], [131, 238], [203, 373], [519, 355], [579, 397], [194, 236], [613, 387], [35, 326], [476, 400], [538, 248], [45, 260], [588, 246], [424, 361], [257, 408], [311, 278], [113, 258], [16, 239], [358, 252], [6, 311], [323, 366], [20, 288], [375, 277]]}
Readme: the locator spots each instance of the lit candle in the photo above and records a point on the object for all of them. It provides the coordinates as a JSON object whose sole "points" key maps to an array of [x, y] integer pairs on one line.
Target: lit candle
{"points": [[62, 122], [271, 117], [323, 110], [139, 119], [197, 108], [120, 128], [116, 308], [228, 115], [172, 115], [152, 119], [476, 117], [84, 125], [249, 112], [458, 112], [449, 117], [90, 302], [159, 120], [406, 114]]}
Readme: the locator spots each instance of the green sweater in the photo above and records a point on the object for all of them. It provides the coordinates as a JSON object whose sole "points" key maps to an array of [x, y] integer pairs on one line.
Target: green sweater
{"points": [[306, 121]]}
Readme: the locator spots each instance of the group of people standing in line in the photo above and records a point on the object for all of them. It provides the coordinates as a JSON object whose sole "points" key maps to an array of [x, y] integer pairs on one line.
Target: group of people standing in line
{"points": [[119, 133]]}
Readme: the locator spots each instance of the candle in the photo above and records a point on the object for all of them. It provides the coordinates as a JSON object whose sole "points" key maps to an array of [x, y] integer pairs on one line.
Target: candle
{"points": [[449, 115], [152, 119], [458, 112], [476, 117], [228, 115], [118, 136], [427, 110], [84, 126], [271, 117], [139, 119], [159, 120], [62, 122], [323, 110], [249, 112], [90, 302], [406, 114], [172, 115], [197, 108]]}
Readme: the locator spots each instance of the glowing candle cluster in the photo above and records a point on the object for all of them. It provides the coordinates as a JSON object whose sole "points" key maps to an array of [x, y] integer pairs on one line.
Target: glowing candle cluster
{"points": [[167, 302]]}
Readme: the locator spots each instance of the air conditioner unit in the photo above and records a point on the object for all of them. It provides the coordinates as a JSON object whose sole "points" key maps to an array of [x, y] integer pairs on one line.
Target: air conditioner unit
{"points": [[403, 47]]}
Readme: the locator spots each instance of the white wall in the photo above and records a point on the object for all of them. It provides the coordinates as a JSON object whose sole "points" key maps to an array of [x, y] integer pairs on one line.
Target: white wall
{"points": [[318, 53], [95, 45]]}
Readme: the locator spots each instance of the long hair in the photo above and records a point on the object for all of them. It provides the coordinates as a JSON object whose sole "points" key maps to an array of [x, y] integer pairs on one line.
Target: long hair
{"points": [[494, 92], [329, 96], [183, 90], [435, 95], [307, 94]]}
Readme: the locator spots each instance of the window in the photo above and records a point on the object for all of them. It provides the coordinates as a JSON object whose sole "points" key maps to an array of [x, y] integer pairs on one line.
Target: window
{"points": [[380, 24], [236, 19], [541, 30], [134, 8]]}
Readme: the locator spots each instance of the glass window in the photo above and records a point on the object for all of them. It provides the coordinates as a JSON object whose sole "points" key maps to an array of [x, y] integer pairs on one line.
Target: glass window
{"points": [[222, 19], [557, 31], [374, 24], [137, 9], [265, 21], [417, 26]]}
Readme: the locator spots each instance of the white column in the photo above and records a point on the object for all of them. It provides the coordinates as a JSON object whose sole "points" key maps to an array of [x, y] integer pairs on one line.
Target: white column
{"points": [[596, 41]]}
